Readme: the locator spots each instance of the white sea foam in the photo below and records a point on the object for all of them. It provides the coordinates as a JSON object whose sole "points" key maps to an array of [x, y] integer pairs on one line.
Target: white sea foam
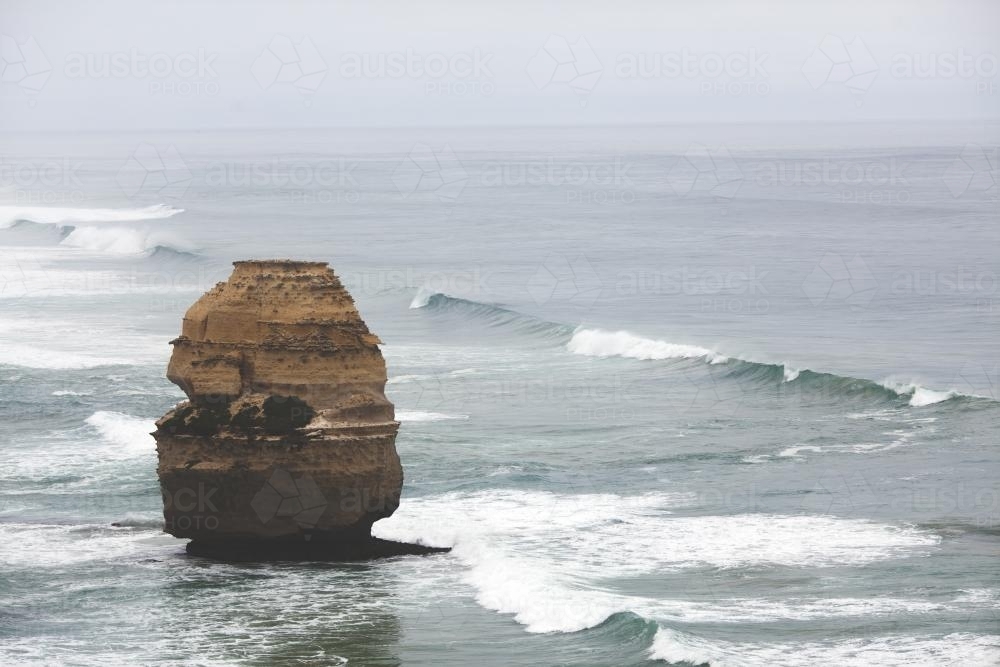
{"points": [[502, 471], [60, 215], [126, 434], [980, 597], [923, 396], [954, 649], [403, 379], [794, 451], [49, 343], [69, 392], [920, 396], [540, 572], [120, 240], [424, 416], [27, 356], [737, 610], [417, 377], [600, 343], [29, 545], [422, 298], [877, 415]]}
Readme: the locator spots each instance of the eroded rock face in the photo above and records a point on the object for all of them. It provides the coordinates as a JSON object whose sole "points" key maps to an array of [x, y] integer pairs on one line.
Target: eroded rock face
{"points": [[287, 435]]}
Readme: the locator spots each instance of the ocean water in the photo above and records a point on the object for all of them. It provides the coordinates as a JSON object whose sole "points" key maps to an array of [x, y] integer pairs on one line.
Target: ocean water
{"points": [[699, 395]]}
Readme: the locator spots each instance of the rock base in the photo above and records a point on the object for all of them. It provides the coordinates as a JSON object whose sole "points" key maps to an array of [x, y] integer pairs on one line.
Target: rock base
{"points": [[247, 551]]}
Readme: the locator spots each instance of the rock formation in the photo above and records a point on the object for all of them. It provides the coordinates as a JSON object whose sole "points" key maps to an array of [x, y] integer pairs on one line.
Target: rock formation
{"points": [[286, 446]]}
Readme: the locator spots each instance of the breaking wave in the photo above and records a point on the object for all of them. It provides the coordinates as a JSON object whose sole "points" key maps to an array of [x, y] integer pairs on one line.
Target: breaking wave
{"points": [[425, 416], [59, 216], [598, 343], [603, 344], [548, 576], [123, 241], [75, 228], [921, 396], [124, 434], [491, 315]]}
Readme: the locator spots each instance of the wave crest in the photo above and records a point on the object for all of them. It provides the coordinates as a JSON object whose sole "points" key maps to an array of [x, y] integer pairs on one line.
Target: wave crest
{"points": [[62, 215], [122, 241], [494, 316], [126, 434], [674, 646], [599, 343], [603, 344]]}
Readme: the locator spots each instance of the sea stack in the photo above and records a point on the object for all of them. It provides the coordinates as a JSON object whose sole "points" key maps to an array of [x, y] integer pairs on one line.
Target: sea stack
{"points": [[286, 444]]}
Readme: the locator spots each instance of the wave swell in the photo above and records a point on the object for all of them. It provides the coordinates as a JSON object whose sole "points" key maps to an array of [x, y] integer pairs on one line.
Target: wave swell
{"points": [[494, 316], [75, 228], [603, 344]]}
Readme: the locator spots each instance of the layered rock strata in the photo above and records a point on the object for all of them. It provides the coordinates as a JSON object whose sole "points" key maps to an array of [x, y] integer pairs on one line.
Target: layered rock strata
{"points": [[286, 444]]}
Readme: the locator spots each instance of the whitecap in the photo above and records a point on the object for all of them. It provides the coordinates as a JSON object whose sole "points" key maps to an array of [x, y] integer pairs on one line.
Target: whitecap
{"points": [[422, 298], [793, 452], [424, 416], [920, 396], [59, 215], [540, 571], [15, 354], [121, 240], [127, 435], [923, 396], [893, 650], [600, 343]]}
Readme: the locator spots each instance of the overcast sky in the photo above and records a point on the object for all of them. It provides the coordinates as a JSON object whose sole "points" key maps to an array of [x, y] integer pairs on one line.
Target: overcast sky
{"points": [[139, 64]]}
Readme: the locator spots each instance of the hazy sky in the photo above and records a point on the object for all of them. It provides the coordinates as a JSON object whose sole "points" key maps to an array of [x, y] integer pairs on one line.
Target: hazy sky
{"points": [[164, 65]]}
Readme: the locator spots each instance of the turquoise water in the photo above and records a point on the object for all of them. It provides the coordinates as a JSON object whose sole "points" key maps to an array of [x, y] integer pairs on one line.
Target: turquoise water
{"points": [[658, 420]]}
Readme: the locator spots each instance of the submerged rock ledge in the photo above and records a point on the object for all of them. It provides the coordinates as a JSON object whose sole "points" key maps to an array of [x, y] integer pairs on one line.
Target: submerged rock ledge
{"points": [[285, 447]]}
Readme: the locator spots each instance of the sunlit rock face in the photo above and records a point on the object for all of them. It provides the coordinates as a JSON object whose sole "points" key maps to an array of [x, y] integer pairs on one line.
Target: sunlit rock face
{"points": [[287, 437]]}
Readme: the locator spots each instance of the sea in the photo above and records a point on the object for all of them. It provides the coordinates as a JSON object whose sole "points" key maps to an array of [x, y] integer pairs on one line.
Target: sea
{"points": [[688, 395]]}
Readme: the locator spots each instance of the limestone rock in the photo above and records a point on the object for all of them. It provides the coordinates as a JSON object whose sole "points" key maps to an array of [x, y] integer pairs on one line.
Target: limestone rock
{"points": [[287, 437]]}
